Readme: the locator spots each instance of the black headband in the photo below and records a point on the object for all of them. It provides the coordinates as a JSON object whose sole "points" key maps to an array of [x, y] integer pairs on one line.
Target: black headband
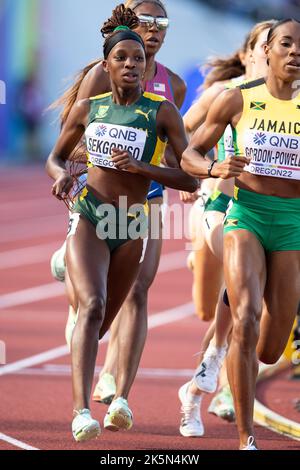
{"points": [[119, 36]]}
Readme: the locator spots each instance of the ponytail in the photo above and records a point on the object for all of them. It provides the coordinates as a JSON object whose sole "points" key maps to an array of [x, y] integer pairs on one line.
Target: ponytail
{"points": [[68, 99]]}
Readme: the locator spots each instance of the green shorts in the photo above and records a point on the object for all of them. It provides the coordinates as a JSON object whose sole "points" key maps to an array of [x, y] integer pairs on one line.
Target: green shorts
{"points": [[275, 221], [217, 202], [114, 225]]}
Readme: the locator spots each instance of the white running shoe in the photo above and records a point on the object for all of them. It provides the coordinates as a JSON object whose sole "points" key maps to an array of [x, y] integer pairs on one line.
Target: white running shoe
{"points": [[70, 325], [105, 389], [84, 427], [250, 444], [207, 373], [57, 263], [118, 416], [222, 405], [191, 424]]}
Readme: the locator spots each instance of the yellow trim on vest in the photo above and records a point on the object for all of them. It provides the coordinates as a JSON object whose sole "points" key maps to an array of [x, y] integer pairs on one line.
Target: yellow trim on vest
{"points": [[104, 95], [146, 208], [146, 211], [83, 194], [153, 96], [158, 152], [236, 192], [215, 195]]}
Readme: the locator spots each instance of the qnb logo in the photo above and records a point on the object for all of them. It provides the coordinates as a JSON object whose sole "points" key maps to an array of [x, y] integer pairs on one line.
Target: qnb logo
{"points": [[101, 131], [260, 138], [2, 92], [2, 353]]}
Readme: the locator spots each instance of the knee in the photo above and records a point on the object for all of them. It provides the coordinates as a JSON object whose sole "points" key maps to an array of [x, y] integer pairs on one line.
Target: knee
{"points": [[92, 310], [269, 356], [205, 310], [205, 314], [137, 298], [246, 327]]}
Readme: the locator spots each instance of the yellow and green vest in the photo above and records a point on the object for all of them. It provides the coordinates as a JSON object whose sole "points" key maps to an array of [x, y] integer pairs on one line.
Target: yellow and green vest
{"points": [[131, 128], [269, 132]]}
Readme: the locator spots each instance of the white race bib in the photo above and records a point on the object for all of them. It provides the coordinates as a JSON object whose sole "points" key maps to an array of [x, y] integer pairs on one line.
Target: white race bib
{"points": [[272, 154], [101, 138]]}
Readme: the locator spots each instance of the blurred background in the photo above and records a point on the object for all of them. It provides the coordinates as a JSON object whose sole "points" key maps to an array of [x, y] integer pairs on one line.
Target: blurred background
{"points": [[43, 43]]}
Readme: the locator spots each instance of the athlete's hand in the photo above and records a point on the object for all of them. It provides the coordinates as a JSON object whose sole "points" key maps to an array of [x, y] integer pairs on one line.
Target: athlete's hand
{"points": [[123, 160], [232, 166], [188, 198], [62, 185]]}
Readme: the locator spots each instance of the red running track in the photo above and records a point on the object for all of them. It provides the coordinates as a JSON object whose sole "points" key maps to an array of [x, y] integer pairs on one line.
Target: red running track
{"points": [[36, 404]]}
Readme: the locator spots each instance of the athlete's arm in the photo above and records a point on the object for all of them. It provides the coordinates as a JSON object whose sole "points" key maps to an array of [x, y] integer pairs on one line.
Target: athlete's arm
{"points": [[179, 88], [67, 141], [197, 113], [96, 82], [179, 91], [222, 112]]}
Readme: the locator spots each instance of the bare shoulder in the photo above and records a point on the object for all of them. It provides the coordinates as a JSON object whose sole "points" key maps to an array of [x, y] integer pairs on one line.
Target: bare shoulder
{"points": [[96, 72], [168, 109], [229, 103], [179, 87], [210, 94], [177, 81], [81, 108], [95, 82], [216, 89]]}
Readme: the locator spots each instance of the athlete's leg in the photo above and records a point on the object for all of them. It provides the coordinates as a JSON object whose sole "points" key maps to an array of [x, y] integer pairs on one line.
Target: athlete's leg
{"points": [[132, 319], [213, 231], [123, 270], [73, 301], [101, 282], [281, 303], [124, 265], [111, 356], [222, 403], [208, 279], [245, 277], [204, 265], [88, 271], [212, 223]]}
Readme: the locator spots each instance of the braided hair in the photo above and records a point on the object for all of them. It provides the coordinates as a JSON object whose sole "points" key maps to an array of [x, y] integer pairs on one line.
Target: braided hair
{"points": [[121, 16]]}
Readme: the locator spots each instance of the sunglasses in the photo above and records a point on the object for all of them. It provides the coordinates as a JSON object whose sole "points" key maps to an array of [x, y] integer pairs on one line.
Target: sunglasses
{"points": [[148, 21]]}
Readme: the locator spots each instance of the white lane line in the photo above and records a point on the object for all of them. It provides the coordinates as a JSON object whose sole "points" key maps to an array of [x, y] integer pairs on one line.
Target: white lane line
{"points": [[172, 261], [169, 262], [26, 256], [170, 315], [147, 373], [16, 443], [158, 319], [34, 294], [34, 360]]}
